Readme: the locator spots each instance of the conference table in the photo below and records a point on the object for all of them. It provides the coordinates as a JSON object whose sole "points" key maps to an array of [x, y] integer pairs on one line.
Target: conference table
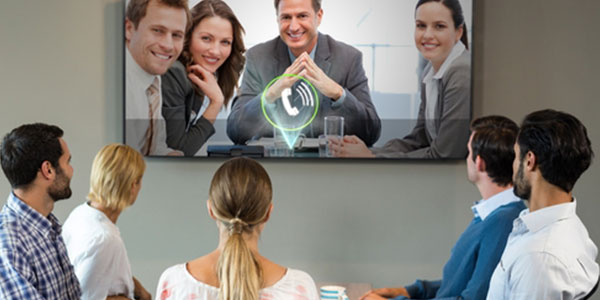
{"points": [[307, 149]]}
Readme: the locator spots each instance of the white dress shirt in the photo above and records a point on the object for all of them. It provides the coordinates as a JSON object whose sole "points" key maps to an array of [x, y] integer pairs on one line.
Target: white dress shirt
{"points": [[137, 110], [549, 255], [485, 207], [98, 254]]}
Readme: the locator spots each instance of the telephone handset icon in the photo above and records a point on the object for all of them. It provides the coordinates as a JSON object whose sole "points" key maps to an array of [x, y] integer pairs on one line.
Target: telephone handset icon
{"points": [[285, 98]]}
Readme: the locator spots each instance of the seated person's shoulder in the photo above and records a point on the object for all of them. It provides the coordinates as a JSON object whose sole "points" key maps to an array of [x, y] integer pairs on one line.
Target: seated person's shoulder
{"points": [[301, 277], [11, 232], [507, 213], [177, 68], [341, 48], [8, 221], [260, 51], [173, 272], [202, 269], [175, 280], [89, 241], [302, 283], [100, 244], [175, 76], [461, 65]]}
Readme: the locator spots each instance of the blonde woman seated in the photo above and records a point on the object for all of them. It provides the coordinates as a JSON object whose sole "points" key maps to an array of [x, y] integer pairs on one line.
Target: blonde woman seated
{"points": [[240, 201], [93, 241]]}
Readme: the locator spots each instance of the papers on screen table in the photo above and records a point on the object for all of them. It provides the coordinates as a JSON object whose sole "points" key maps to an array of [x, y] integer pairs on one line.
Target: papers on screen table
{"points": [[302, 142]]}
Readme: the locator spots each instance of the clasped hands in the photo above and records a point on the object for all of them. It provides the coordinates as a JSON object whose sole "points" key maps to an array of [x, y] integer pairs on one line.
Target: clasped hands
{"points": [[304, 66]]}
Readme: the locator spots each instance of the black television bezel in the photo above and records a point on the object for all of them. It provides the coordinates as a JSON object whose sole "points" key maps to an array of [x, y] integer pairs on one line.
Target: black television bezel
{"points": [[472, 51]]}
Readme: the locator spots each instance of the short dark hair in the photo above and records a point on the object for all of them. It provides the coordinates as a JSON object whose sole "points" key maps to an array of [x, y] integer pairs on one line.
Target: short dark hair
{"points": [[136, 9], [24, 150], [560, 143], [493, 140], [316, 4], [457, 16]]}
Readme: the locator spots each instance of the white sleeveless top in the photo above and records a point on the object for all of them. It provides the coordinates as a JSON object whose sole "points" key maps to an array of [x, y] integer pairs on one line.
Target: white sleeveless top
{"points": [[177, 283]]}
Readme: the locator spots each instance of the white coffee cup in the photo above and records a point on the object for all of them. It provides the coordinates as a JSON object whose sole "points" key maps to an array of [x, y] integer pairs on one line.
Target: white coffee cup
{"points": [[333, 292]]}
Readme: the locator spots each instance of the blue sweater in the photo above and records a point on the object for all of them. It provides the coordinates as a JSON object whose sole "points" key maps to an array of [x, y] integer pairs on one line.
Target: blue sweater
{"points": [[473, 259]]}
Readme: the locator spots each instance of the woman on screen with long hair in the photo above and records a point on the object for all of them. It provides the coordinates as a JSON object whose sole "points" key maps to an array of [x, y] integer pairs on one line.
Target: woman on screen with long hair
{"points": [[442, 128], [240, 202], [91, 235], [204, 78]]}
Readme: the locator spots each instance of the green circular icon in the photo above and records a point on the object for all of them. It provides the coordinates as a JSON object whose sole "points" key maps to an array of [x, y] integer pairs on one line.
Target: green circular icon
{"points": [[263, 100]]}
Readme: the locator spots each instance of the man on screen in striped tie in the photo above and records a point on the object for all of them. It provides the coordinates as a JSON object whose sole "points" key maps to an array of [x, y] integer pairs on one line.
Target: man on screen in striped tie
{"points": [[154, 36]]}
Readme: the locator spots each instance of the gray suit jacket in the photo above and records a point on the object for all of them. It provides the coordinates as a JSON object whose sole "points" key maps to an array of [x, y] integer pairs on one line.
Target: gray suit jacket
{"points": [[341, 62], [453, 114], [180, 101]]}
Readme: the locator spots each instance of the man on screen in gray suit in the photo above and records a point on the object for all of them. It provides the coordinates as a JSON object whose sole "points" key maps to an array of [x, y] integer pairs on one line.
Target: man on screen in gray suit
{"points": [[333, 68]]}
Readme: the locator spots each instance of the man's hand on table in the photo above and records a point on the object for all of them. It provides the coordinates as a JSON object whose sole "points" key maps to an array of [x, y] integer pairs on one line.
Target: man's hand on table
{"points": [[385, 293], [350, 146]]}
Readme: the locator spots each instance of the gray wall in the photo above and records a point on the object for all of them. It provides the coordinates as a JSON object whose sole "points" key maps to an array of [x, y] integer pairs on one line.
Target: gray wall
{"points": [[383, 223]]}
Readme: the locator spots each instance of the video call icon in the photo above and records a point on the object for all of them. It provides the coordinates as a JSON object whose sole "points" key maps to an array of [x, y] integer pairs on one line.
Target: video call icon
{"points": [[303, 92], [294, 110]]}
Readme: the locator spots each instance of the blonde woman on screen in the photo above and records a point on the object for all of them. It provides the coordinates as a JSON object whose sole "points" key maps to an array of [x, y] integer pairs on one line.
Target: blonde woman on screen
{"points": [[93, 240], [240, 202]]}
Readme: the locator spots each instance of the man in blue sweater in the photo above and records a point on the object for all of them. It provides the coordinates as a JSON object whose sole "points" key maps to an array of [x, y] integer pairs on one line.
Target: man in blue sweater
{"points": [[475, 255]]}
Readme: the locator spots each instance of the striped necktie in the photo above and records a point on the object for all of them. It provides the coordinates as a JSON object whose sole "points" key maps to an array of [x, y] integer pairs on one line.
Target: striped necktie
{"points": [[153, 110]]}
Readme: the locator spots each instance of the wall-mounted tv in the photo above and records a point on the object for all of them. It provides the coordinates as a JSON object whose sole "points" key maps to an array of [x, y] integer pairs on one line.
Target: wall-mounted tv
{"points": [[321, 79]]}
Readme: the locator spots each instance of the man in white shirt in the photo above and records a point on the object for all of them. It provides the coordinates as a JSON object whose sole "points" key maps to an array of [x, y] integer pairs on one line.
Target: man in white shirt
{"points": [[549, 254], [154, 36]]}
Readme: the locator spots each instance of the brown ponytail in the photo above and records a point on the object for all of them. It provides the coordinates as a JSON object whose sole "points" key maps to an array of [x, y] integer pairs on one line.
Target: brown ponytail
{"points": [[239, 273], [240, 196]]}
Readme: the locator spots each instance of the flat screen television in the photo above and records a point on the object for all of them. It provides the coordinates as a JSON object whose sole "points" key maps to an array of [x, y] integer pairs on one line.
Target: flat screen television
{"points": [[393, 82]]}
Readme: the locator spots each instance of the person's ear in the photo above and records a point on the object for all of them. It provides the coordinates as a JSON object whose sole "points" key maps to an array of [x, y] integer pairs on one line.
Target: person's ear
{"points": [[530, 161], [129, 29], [136, 186], [47, 171], [459, 32], [210, 212], [480, 164], [268, 213], [319, 16]]}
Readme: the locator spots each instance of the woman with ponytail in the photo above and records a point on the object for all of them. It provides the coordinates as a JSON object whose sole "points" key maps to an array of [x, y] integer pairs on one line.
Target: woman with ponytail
{"points": [[240, 202]]}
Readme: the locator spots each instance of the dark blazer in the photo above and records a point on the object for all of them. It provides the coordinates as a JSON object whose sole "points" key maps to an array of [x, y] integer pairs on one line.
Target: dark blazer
{"points": [[179, 101], [341, 62], [453, 114]]}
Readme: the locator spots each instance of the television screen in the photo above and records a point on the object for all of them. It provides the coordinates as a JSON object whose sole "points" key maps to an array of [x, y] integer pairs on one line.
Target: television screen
{"points": [[367, 79]]}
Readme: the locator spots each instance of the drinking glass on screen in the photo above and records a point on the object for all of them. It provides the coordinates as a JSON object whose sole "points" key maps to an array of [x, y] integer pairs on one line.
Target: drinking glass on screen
{"points": [[334, 130]]}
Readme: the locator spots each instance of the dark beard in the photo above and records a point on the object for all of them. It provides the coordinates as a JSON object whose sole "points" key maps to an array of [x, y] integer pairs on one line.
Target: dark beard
{"points": [[522, 187], [60, 189]]}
